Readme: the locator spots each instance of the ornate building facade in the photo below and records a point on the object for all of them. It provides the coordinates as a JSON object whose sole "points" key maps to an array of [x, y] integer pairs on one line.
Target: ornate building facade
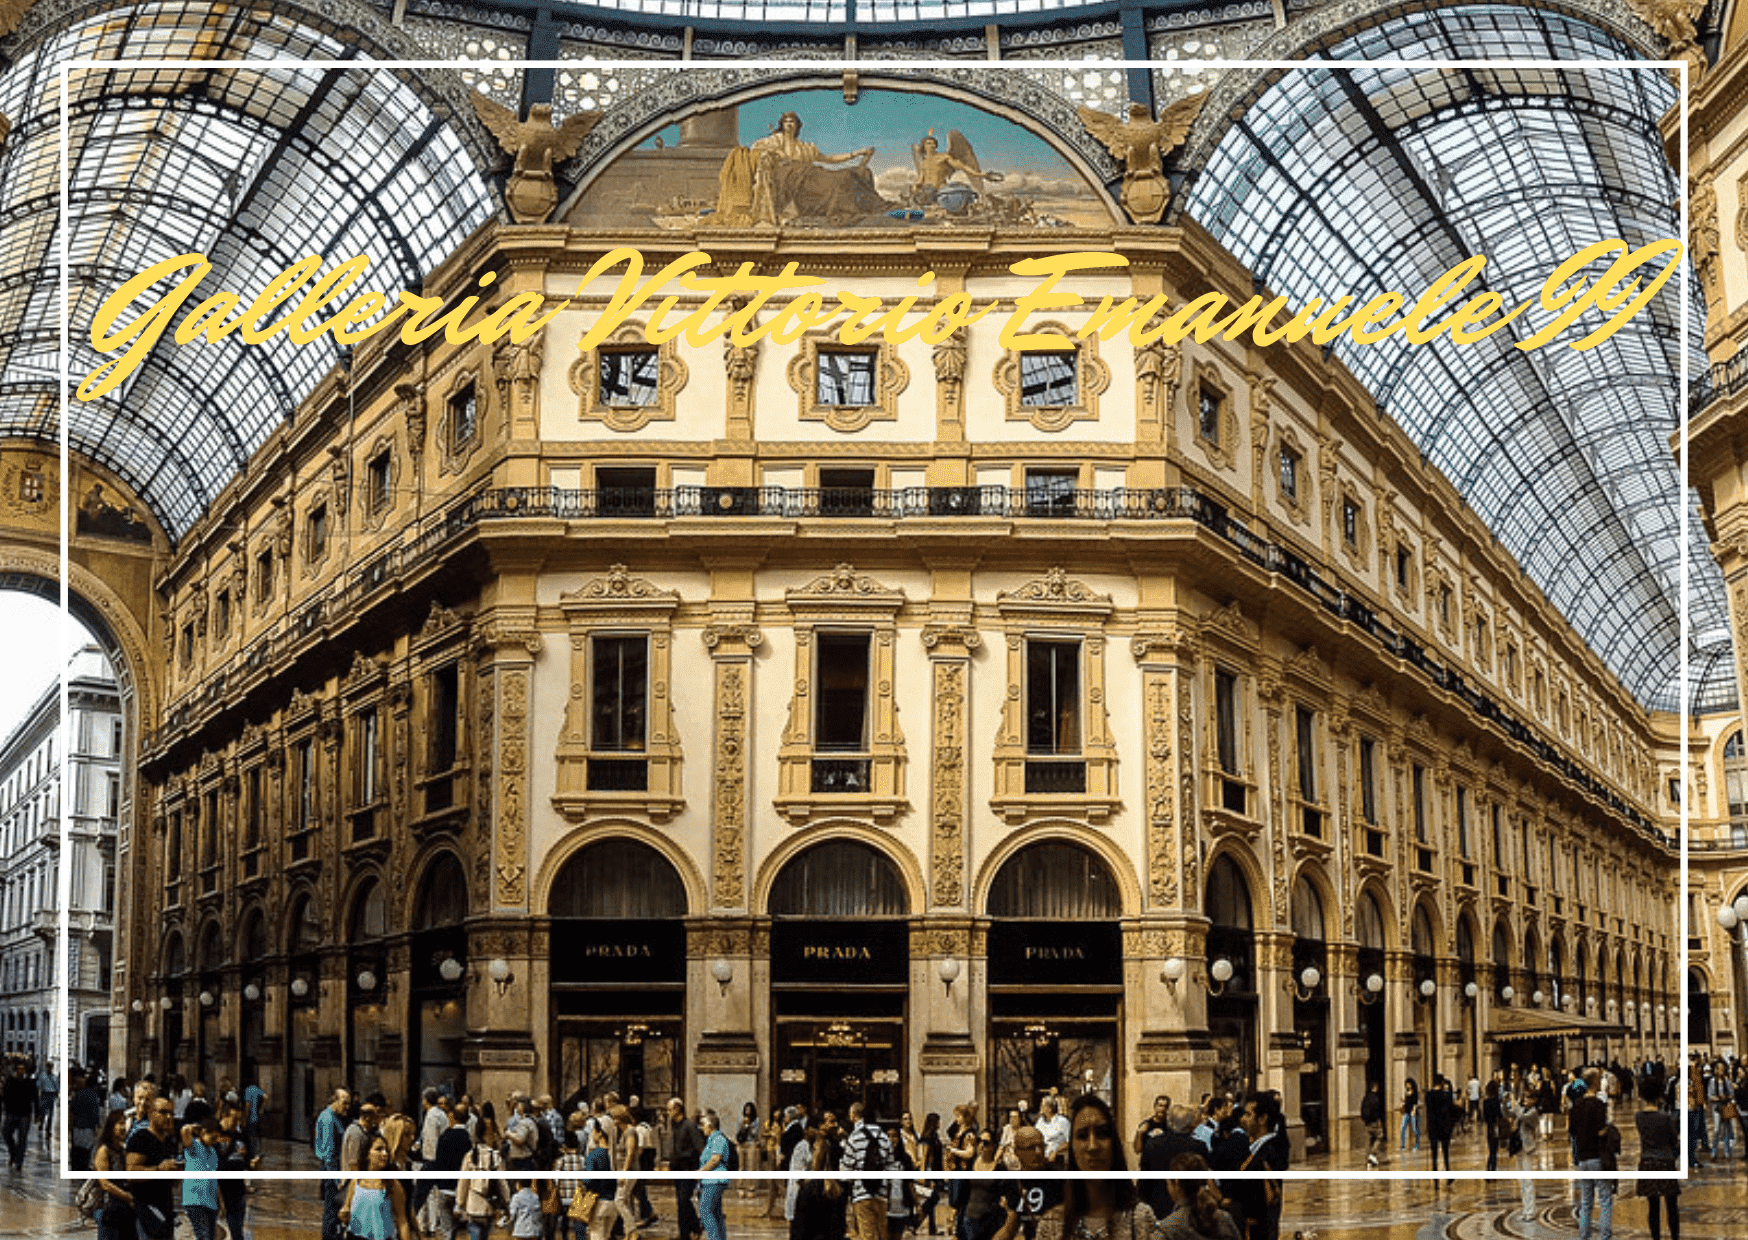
{"points": [[913, 720]]}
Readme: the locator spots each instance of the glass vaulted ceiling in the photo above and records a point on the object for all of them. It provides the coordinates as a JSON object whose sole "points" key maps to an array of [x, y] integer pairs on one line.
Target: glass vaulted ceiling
{"points": [[1370, 180], [255, 169]]}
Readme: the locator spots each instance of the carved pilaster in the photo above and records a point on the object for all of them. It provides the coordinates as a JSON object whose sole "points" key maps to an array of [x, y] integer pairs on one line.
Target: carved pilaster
{"points": [[731, 647], [950, 357], [1157, 652], [949, 648]]}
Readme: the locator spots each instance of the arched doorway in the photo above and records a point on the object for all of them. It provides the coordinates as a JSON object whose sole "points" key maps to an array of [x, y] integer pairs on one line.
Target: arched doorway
{"points": [[1374, 1002], [1055, 976], [1311, 1011], [171, 1030], [840, 975], [437, 985], [252, 1024], [304, 939], [1469, 987], [618, 970], [1232, 1010], [211, 981], [366, 976], [1424, 944], [1699, 1010]]}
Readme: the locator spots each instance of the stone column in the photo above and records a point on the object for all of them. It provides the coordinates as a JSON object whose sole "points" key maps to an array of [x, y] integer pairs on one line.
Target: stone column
{"points": [[948, 989], [498, 1056], [726, 1064], [1347, 1085], [1282, 1052]]}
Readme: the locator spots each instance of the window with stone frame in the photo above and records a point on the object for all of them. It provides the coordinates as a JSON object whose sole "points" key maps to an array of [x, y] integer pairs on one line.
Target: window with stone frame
{"points": [[1052, 388], [843, 747], [1310, 804], [1215, 430], [619, 748]]}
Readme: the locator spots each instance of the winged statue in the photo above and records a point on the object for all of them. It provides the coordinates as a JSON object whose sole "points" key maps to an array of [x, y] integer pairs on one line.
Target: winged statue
{"points": [[536, 144], [935, 168], [1677, 22], [1141, 144]]}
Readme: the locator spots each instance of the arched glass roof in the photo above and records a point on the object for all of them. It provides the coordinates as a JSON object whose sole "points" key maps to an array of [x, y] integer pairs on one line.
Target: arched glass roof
{"points": [[253, 168], [1371, 180]]}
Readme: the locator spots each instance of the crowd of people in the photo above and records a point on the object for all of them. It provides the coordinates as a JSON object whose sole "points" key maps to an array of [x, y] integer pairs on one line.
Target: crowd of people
{"points": [[538, 1171]]}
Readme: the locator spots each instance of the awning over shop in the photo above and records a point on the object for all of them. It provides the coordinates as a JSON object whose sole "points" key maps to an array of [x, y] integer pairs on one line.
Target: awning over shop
{"points": [[1512, 1024]]}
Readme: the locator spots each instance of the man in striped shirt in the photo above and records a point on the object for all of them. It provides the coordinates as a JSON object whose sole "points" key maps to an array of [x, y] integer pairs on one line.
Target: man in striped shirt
{"points": [[867, 1148]]}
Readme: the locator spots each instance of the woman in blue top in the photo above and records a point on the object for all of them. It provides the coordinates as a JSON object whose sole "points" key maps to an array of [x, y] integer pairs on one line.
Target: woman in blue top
{"points": [[200, 1196], [374, 1208], [605, 1188], [711, 1187]]}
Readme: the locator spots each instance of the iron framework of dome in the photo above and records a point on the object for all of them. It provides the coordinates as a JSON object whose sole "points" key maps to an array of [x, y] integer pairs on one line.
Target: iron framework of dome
{"points": [[1563, 454], [253, 168]]}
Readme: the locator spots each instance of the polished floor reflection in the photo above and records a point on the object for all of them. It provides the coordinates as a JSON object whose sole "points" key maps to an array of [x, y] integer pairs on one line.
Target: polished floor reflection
{"points": [[1714, 1205]]}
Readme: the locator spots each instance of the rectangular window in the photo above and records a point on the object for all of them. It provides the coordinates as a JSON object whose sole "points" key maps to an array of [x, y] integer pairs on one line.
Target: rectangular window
{"points": [[1051, 492], [209, 832], [1305, 755], [619, 692], [1403, 560], [109, 888], [463, 417], [222, 614], [378, 475], [173, 848], [1208, 409], [1420, 824], [630, 377], [252, 809], [840, 703], [1499, 857], [1674, 790], [115, 738], [318, 531], [1463, 822], [1232, 790], [846, 377], [264, 574], [112, 797], [1444, 606], [368, 757], [626, 491], [1369, 795], [305, 771], [1350, 523], [187, 644], [846, 492], [1049, 378], [1289, 474], [1053, 697], [445, 709]]}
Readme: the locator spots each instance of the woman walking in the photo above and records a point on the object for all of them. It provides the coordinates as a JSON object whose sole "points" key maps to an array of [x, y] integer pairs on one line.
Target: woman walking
{"points": [[1410, 1115], [625, 1148], [930, 1160], [1527, 1122], [711, 1187], [1658, 1138], [374, 1208], [1095, 1206], [116, 1220]]}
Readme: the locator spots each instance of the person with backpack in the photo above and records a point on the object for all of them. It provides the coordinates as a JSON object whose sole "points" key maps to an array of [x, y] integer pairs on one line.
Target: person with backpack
{"points": [[482, 1193], [1372, 1116], [867, 1149]]}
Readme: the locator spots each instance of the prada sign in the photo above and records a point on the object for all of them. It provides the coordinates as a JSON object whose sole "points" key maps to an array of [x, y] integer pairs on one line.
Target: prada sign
{"points": [[1055, 953], [611, 951], [837, 953]]}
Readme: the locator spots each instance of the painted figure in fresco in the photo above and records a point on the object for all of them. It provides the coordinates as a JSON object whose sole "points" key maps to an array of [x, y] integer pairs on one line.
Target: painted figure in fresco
{"points": [[778, 179], [936, 169]]}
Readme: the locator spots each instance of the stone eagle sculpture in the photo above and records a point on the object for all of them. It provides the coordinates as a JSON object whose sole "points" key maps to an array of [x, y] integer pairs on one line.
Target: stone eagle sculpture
{"points": [[536, 144], [1141, 144]]}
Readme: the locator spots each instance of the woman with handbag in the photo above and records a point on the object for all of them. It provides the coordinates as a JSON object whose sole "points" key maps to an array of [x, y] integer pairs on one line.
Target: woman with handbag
{"points": [[115, 1221], [482, 1193], [1658, 1151]]}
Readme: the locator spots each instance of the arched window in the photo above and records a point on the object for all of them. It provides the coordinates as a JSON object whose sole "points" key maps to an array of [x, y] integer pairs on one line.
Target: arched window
{"points": [[1055, 881], [442, 895], [369, 919], [1228, 902], [1307, 911], [1736, 788], [841, 878], [1699, 1008], [1425, 944], [1370, 923], [620, 879], [305, 927]]}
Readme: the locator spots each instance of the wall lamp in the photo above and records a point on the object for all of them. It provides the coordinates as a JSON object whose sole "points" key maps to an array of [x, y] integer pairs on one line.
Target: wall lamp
{"points": [[1372, 992], [1304, 987], [948, 971], [723, 972]]}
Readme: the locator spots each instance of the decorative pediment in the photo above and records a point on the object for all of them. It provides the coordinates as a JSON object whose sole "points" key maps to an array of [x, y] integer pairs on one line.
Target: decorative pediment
{"points": [[843, 588], [301, 705], [364, 673], [1229, 622], [1420, 727], [1370, 701], [1055, 592], [1309, 665], [440, 623], [619, 586]]}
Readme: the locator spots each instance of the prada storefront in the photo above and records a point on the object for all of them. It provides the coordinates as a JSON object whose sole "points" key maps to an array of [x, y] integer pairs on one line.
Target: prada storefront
{"points": [[1055, 976], [840, 979], [618, 971]]}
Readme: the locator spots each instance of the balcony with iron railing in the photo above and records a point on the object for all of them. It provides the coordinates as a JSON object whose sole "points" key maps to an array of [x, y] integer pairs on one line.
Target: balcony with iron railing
{"points": [[431, 541]]}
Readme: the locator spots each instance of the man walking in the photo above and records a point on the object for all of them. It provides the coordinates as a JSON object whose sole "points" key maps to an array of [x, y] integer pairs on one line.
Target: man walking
{"points": [[686, 1153], [1588, 1120], [866, 1149], [1372, 1116], [330, 1138], [18, 1105]]}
